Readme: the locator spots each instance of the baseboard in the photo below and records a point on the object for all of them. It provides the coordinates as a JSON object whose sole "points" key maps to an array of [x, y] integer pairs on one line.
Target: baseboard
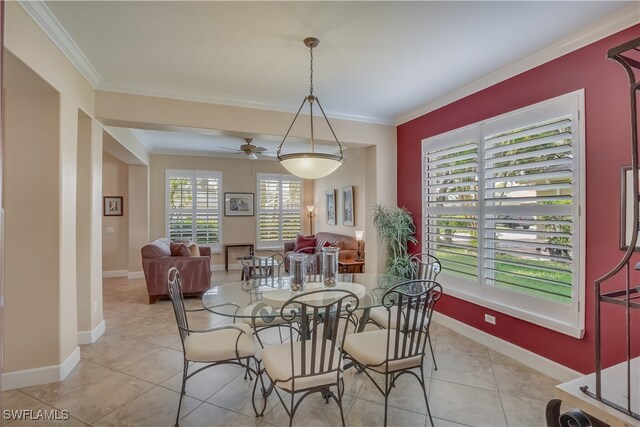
{"points": [[89, 337], [220, 267], [43, 375], [529, 358], [135, 275], [114, 273]]}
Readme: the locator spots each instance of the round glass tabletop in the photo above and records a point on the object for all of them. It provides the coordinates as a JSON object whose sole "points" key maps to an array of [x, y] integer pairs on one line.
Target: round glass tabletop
{"points": [[251, 298]]}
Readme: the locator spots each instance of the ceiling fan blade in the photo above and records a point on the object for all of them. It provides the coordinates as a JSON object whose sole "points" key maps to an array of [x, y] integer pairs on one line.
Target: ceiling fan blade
{"points": [[259, 149], [232, 149]]}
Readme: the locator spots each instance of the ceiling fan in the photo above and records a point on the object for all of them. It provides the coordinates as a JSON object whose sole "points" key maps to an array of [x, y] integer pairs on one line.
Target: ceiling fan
{"points": [[249, 149]]}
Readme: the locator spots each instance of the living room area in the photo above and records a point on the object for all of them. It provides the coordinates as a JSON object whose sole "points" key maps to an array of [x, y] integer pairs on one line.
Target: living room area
{"points": [[133, 129]]}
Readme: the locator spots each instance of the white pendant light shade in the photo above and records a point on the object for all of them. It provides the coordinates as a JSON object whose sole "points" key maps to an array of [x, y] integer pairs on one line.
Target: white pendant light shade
{"points": [[311, 165]]}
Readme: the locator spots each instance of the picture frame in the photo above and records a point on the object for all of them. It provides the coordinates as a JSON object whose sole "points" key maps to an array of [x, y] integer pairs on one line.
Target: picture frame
{"points": [[626, 208], [348, 211], [112, 206], [238, 204], [330, 197]]}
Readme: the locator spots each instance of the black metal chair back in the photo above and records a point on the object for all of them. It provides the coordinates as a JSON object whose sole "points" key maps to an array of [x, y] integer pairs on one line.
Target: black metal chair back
{"points": [[305, 314], [177, 300], [261, 267], [415, 300], [425, 266]]}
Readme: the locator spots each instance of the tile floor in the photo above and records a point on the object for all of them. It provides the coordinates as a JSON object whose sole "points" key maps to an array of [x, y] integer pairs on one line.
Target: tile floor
{"points": [[131, 376]]}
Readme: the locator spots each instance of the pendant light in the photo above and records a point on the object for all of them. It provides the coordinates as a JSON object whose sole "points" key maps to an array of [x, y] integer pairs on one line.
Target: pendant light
{"points": [[310, 165]]}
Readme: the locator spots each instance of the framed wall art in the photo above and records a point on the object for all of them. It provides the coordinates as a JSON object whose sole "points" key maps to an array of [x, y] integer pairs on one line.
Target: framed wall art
{"points": [[112, 205], [331, 206], [348, 217], [626, 208], [238, 204]]}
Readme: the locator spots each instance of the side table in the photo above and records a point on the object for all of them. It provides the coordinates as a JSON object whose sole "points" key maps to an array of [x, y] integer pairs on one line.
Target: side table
{"points": [[351, 266], [227, 246]]}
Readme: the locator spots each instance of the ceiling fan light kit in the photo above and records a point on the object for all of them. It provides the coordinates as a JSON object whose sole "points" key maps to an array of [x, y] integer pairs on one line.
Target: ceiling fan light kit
{"points": [[310, 165]]}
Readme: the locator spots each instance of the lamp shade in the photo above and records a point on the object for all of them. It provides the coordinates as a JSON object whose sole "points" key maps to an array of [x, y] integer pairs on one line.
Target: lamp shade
{"points": [[359, 234], [310, 208], [311, 165]]}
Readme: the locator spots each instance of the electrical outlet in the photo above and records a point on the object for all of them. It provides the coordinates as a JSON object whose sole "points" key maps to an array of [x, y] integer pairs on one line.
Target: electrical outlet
{"points": [[110, 230], [490, 319]]}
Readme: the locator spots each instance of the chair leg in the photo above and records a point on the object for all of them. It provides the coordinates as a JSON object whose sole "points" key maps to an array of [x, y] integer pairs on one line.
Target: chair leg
{"points": [[386, 397], [182, 390], [433, 355], [424, 391]]}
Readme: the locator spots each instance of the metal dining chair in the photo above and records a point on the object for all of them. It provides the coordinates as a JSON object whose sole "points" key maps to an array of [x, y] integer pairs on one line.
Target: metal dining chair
{"points": [[312, 360], [424, 267], [393, 352], [261, 267], [232, 344]]}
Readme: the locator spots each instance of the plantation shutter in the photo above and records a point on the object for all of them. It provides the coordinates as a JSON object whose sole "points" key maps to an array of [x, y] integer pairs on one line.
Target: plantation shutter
{"points": [[193, 206], [451, 202], [279, 209], [529, 210]]}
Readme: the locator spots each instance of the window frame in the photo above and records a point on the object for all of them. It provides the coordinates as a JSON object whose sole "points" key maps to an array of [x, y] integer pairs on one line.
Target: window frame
{"points": [[280, 243], [568, 319], [194, 175]]}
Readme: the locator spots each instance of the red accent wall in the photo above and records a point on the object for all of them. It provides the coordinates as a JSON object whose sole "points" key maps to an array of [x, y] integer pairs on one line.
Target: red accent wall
{"points": [[608, 134]]}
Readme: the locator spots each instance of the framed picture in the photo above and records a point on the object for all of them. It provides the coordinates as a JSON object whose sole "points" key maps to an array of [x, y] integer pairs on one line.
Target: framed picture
{"points": [[331, 207], [347, 206], [112, 205], [238, 204], [626, 209]]}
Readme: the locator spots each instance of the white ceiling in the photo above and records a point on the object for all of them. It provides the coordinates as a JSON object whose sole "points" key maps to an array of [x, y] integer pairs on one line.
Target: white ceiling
{"points": [[380, 62]]}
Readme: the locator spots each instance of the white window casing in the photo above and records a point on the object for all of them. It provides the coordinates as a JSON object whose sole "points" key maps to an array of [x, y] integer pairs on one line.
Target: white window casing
{"points": [[502, 211], [193, 205]]}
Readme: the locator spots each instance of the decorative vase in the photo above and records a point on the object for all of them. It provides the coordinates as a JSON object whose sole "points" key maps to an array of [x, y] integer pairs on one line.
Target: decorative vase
{"points": [[330, 266], [297, 271]]}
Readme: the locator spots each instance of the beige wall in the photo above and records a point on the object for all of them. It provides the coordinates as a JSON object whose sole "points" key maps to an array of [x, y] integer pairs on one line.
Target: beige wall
{"points": [[236, 177], [351, 173], [138, 216], [115, 244], [31, 225]]}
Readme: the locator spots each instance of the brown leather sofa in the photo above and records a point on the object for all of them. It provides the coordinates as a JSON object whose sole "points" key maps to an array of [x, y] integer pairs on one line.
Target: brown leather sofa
{"points": [[348, 247], [157, 260]]}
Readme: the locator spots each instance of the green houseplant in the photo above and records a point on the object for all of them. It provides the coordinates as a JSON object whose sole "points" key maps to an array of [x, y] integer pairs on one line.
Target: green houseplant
{"points": [[395, 228]]}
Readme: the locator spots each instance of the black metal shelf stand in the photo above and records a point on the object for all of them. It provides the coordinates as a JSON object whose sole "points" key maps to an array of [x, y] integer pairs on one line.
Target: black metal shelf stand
{"points": [[628, 56]]}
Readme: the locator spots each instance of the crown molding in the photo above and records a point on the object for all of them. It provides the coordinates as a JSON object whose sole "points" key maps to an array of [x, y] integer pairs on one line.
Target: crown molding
{"points": [[617, 22], [233, 101], [49, 24]]}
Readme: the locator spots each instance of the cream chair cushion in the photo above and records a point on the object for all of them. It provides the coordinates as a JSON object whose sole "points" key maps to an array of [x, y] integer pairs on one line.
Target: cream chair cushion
{"points": [[369, 348], [219, 345], [277, 363]]}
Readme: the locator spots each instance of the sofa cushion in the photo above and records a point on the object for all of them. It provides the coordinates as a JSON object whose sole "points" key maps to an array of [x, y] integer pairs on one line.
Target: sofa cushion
{"points": [[156, 248], [304, 242], [194, 249], [179, 249]]}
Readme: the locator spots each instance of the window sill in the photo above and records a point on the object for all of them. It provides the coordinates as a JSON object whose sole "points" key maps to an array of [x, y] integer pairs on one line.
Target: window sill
{"points": [[536, 319]]}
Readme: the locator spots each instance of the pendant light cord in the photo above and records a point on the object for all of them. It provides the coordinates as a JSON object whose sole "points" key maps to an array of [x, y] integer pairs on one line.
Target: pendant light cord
{"points": [[311, 74]]}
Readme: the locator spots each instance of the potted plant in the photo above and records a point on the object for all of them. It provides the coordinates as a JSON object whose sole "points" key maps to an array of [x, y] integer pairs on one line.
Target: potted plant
{"points": [[395, 228]]}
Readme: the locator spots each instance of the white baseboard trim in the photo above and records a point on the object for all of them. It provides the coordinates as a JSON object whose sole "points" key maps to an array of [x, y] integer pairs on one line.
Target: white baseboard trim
{"points": [[114, 273], [43, 375], [135, 275], [529, 358], [220, 267], [89, 337]]}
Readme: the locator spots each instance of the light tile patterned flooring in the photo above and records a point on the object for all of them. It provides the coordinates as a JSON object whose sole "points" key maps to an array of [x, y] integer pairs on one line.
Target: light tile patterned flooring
{"points": [[131, 377]]}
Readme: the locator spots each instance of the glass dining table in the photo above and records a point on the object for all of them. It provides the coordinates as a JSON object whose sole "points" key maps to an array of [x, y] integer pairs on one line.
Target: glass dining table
{"points": [[261, 299]]}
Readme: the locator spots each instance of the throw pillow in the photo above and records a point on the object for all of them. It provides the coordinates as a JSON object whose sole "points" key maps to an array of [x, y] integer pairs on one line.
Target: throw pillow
{"points": [[179, 249], [304, 243], [194, 249]]}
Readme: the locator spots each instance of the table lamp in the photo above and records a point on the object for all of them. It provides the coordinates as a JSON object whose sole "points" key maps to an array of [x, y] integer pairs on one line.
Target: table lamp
{"points": [[359, 237]]}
